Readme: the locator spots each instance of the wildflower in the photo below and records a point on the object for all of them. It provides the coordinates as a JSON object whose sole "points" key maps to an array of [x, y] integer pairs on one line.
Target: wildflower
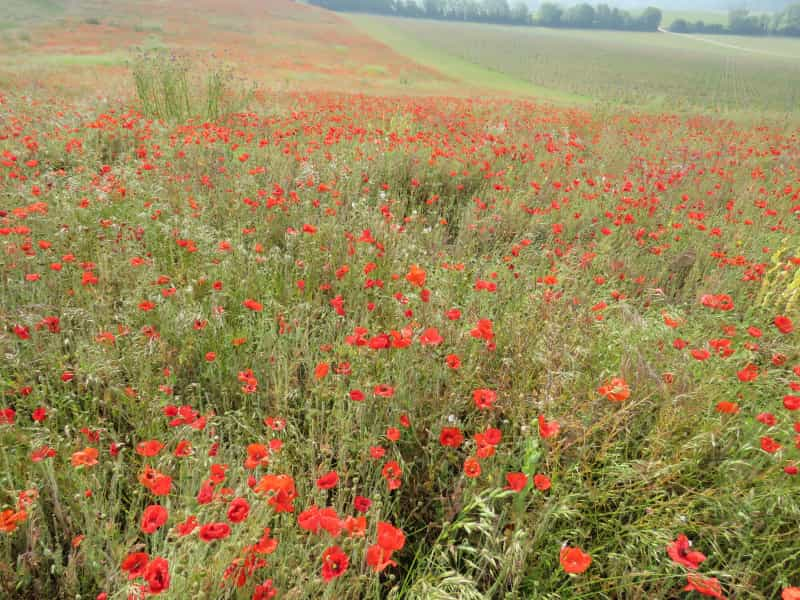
{"points": [[680, 551], [472, 468], [334, 563], [707, 586], [416, 276], [85, 458], [574, 560], [238, 509], [548, 429], [214, 531], [615, 389], [451, 437], [328, 481], [516, 481], [157, 575], [784, 324], [153, 517]]}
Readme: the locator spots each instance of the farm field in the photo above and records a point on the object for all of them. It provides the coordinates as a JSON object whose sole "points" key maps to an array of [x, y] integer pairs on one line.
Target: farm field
{"points": [[296, 304], [644, 70], [709, 17]]}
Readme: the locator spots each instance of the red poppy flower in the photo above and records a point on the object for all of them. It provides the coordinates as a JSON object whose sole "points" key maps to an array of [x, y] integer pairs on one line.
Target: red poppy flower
{"points": [[135, 564], [257, 455], [680, 551], [321, 370], [313, 519], [542, 482], [379, 558], [574, 560], [392, 473], [453, 314], [416, 276], [430, 337], [390, 537], [548, 429], [328, 481], [362, 504], [516, 481], [188, 526], [253, 305], [264, 591], [472, 468], [85, 458], [730, 408], [484, 398], [334, 563], [214, 531], [153, 517], [451, 437], [355, 526], [615, 389], [784, 324], [453, 361], [157, 575], [483, 330], [749, 373], [791, 402], [769, 445], [238, 509], [383, 390], [149, 448], [707, 586]]}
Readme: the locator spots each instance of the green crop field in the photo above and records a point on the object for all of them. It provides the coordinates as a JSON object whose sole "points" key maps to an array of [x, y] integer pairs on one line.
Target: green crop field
{"points": [[655, 71], [709, 17]]}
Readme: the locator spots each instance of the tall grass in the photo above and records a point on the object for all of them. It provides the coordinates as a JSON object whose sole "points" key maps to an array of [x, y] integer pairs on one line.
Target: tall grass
{"points": [[169, 88]]}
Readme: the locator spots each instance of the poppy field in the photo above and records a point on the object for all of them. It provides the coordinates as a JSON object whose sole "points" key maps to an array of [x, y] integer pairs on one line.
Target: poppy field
{"points": [[306, 342]]}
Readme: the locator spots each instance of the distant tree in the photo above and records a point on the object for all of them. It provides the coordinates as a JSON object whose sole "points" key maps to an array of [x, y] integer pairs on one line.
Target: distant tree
{"points": [[650, 19], [433, 8], [788, 21], [740, 22], [497, 11], [618, 19], [549, 15], [580, 16], [679, 26], [520, 13], [602, 17]]}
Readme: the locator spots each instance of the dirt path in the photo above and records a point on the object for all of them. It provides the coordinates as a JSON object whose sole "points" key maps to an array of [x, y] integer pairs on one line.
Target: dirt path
{"points": [[725, 45]]}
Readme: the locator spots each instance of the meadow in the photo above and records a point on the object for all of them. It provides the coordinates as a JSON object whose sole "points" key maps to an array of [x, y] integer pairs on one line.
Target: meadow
{"points": [[292, 306]]}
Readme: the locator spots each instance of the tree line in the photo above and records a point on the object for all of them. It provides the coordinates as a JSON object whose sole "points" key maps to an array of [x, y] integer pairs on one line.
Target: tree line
{"points": [[741, 22], [580, 16]]}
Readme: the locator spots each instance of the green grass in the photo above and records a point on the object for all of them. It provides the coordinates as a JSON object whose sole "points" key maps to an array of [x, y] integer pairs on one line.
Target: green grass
{"points": [[403, 41], [642, 70], [68, 60]]}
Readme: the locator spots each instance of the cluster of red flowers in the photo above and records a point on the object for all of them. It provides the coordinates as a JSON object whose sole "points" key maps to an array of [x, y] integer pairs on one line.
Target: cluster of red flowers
{"points": [[340, 296]]}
